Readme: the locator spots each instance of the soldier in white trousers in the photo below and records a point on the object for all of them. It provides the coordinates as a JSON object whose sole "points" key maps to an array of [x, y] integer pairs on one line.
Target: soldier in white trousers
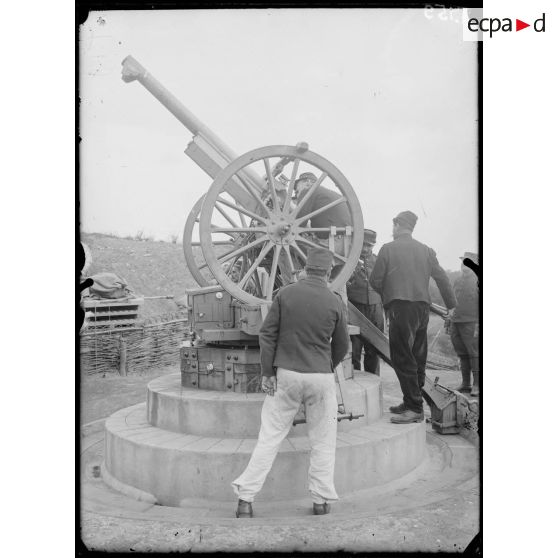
{"points": [[303, 338]]}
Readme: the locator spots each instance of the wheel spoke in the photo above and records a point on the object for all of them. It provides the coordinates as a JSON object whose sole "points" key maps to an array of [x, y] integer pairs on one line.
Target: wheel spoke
{"points": [[314, 245], [290, 258], [255, 194], [259, 290], [241, 210], [342, 230], [215, 229], [215, 243], [291, 186], [271, 182], [241, 250], [273, 272], [300, 252], [231, 266], [309, 194], [242, 218], [237, 230], [257, 261], [225, 215], [342, 199]]}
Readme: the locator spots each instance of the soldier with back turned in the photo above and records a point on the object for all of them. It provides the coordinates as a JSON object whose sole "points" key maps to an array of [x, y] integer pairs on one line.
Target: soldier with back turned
{"points": [[401, 275]]}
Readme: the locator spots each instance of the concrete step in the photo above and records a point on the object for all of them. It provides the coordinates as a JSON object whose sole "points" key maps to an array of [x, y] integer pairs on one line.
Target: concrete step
{"points": [[166, 467], [237, 415]]}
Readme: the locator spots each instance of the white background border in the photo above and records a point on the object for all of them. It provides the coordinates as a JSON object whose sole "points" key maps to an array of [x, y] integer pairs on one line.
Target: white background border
{"points": [[519, 288]]}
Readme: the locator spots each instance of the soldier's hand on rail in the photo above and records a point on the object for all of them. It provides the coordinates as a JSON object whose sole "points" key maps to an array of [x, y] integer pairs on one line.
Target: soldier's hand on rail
{"points": [[269, 384]]}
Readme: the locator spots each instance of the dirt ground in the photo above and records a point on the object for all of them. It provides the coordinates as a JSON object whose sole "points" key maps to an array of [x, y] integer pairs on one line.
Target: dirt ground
{"points": [[102, 395]]}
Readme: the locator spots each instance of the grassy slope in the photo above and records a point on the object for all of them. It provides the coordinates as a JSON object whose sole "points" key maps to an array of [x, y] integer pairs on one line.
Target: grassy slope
{"points": [[154, 268], [151, 268]]}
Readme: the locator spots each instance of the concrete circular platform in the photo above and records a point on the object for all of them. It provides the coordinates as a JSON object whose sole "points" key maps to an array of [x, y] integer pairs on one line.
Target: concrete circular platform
{"points": [[450, 465], [218, 414], [167, 467]]}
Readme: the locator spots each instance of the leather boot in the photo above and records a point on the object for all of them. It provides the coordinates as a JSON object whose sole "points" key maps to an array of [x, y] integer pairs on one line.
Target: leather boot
{"points": [[407, 416], [398, 409], [321, 509], [244, 509], [465, 375], [475, 389]]}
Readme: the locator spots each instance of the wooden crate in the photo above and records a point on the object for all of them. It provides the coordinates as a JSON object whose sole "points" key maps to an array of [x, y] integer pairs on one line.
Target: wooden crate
{"points": [[443, 407], [112, 313]]}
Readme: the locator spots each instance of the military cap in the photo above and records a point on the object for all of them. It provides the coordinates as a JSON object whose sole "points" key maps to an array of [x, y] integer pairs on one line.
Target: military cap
{"points": [[305, 176], [319, 258], [369, 236], [406, 219], [471, 256]]}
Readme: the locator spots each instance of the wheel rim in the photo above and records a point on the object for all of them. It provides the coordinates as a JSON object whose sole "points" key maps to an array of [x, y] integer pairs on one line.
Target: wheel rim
{"points": [[276, 238], [188, 245]]}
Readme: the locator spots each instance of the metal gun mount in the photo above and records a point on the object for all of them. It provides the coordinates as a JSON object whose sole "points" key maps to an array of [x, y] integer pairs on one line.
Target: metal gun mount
{"points": [[254, 237]]}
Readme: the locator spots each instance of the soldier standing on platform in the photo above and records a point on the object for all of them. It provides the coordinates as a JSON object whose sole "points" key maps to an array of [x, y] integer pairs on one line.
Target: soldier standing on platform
{"points": [[368, 302], [401, 275], [302, 339], [464, 326], [338, 216]]}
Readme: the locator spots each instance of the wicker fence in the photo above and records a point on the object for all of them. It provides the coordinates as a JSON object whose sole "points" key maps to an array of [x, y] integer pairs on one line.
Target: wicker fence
{"points": [[137, 349], [156, 343]]}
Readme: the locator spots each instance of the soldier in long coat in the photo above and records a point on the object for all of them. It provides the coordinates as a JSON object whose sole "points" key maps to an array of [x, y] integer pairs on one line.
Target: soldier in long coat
{"points": [[302, 339], [401, 275]]}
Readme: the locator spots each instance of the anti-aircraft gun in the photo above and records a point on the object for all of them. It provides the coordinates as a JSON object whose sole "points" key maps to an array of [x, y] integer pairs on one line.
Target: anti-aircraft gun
{"points": [[254, 237], [197, 429]]}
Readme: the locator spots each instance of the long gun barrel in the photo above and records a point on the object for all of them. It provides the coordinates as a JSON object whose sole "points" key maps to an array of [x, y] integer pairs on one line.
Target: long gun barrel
{"points": [[132, 70]]}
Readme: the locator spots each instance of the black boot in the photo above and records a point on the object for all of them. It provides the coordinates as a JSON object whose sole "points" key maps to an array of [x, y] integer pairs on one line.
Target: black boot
{"points": [[244, 509], [465, 375], [475, 389]]}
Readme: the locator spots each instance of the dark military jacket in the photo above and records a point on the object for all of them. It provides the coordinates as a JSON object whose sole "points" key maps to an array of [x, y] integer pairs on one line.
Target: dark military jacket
{"points": [[467, 295], [338, 216], [403, 270], [305, 329], [359, 289]]}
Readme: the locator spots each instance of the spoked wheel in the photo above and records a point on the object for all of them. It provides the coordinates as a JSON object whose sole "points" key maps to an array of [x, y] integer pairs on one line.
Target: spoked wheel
{"points": [[190, 239], [273, 229]]}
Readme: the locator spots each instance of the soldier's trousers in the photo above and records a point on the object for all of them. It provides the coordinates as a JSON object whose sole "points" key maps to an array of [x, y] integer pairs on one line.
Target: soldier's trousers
{"points": [[465, 343], [318, 394], [375, 314], [408, 346]]}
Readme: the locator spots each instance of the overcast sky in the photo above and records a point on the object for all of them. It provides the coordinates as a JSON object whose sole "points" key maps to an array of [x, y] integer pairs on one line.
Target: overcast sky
{"points": [[388, 96]]}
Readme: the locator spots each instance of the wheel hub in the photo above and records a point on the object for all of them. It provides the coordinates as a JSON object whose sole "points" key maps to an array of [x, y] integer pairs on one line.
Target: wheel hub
{"points": [[280, 230]]}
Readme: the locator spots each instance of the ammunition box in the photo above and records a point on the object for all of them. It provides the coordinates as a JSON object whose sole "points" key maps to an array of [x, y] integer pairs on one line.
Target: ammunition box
{"points": [[221, 369]]}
